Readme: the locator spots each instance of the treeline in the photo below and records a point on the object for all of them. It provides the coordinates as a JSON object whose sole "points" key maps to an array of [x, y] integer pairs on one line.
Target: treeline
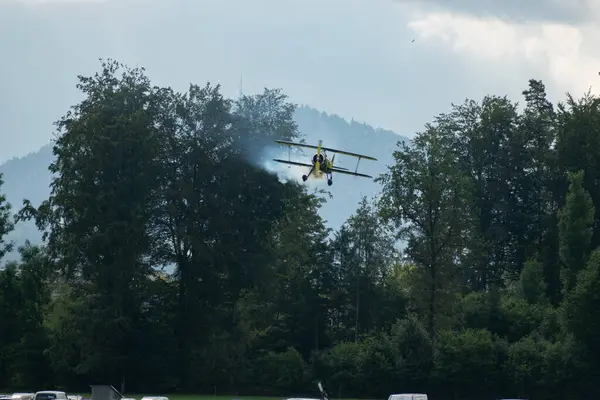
{"points": [[172, 263]]}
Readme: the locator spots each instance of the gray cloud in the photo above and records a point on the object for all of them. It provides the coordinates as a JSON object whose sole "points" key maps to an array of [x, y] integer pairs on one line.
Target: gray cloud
{"points": [[569, 11]]}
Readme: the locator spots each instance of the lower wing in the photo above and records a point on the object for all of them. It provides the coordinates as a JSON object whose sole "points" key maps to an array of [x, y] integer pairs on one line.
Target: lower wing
{"points": [[293, 163], [346, 172]]}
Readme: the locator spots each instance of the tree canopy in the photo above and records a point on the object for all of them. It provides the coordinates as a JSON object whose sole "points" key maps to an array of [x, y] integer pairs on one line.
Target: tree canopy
{"points": [[173, 263]]}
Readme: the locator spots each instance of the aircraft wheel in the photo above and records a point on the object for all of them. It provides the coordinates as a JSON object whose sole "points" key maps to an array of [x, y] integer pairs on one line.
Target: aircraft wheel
{"points": [[330, 182], [304, 178]]}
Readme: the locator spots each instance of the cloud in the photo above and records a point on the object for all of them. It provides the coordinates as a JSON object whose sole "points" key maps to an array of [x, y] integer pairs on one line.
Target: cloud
{"points": [[36, 2], [560, 52], [350, 57], [539, 10]]}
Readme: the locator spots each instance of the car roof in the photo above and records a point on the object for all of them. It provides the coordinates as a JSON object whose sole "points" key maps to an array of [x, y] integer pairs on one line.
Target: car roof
{"points": [[301, 398]]}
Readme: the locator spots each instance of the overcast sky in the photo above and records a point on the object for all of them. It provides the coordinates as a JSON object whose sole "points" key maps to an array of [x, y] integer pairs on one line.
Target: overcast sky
{"points": [[355, 58]]}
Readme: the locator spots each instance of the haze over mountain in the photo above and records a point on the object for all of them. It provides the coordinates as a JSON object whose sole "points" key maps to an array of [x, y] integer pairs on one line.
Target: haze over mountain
{"points": [[28, 177]]}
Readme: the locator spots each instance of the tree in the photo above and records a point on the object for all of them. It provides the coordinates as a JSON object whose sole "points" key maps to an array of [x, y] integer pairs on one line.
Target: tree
{"points": [[302, 267], [526, 361], [196, 126], [531, 282], [470, 359], [581, 313], [263, 118], [6, 225], [98, 215], [9, 295], [576, 222], [217, 209], [413, 353], [364, 253], [345, 268], [577, 142], [542, 181], [425, 196], [10, 326], [30, 365], [492, 155]]}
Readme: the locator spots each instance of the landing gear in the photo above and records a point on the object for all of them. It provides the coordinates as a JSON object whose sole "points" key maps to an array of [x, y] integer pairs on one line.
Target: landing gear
{"points": [[304, 178]]}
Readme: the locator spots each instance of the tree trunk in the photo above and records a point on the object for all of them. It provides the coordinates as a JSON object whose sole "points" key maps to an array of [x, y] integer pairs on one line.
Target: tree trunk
{"points": [[356, 314]]}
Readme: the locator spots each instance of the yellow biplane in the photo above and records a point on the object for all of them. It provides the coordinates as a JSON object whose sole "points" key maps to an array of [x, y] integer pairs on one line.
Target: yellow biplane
{"points": [[321, 165]]}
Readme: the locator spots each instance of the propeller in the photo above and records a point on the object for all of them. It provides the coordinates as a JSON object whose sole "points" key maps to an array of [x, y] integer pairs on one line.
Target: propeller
{"points": [[317, 164]]}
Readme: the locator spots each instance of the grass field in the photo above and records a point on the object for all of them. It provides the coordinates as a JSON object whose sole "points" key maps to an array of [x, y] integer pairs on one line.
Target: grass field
{"points": [[138, 396], [201, 397]]}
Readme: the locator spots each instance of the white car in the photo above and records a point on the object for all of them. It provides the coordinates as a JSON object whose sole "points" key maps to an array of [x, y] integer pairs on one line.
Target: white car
{"points": [[155, 398], [22, 396], [50, 395], [300, 398], [408, 396]]}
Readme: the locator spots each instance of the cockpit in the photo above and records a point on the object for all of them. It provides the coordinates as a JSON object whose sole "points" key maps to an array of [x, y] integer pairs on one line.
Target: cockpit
{"points": [[318, 157]]}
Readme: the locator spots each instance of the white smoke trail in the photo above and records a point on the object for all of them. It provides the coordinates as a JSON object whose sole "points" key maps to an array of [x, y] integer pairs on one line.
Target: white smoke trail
{"points": [[287, 172]]}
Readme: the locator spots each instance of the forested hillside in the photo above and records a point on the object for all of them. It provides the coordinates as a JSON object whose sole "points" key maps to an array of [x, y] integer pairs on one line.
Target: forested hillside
{"points": [[494, 295], [26, 178]]}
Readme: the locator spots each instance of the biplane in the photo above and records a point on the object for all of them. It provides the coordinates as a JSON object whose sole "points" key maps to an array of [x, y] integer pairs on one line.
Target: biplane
{"points": [[321, 164]]}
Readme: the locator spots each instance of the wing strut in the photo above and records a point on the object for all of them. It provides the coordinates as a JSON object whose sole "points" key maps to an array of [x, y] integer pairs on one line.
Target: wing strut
{"points": [[356, 170]]}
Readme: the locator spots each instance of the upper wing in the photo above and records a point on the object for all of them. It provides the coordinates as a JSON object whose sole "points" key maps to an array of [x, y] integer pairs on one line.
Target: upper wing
{"points": [[347, 153], [293, 163], [341, 171], [309, 146]]}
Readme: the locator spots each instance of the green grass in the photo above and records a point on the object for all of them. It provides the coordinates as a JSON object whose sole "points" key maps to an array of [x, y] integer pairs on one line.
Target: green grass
{"points": [[201, 397], [138, 396]]}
